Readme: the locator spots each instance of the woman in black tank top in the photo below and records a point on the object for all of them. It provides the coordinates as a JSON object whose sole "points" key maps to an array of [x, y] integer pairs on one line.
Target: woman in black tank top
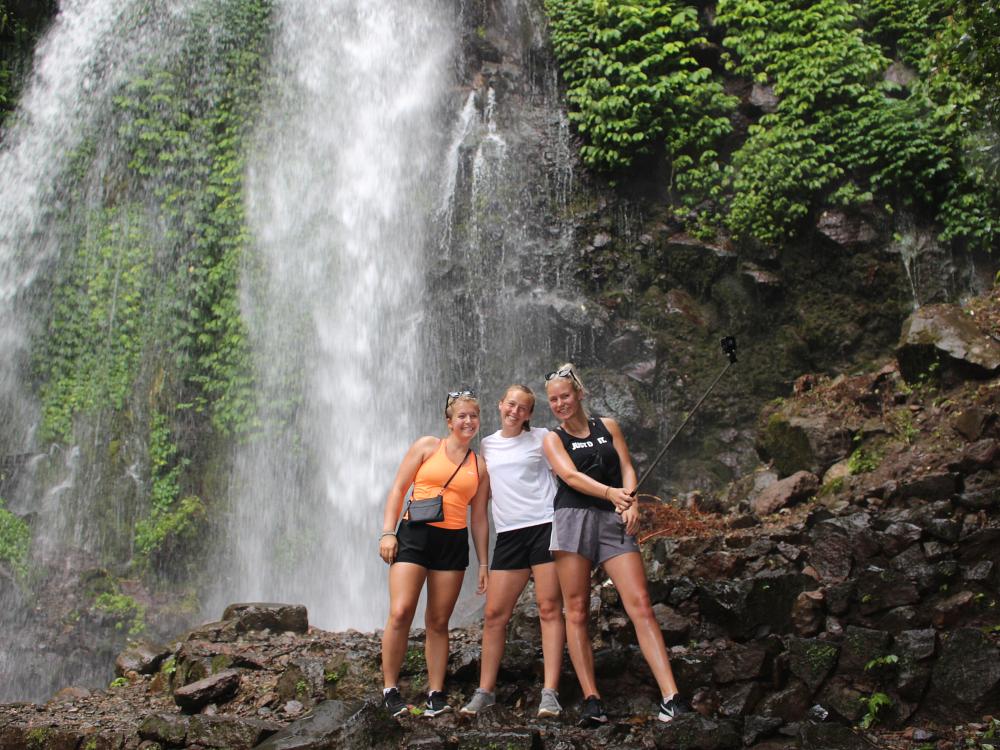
{"points": [[595, 521]]}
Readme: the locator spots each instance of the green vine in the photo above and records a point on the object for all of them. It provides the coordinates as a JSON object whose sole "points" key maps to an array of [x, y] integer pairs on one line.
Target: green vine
{"points": [[15, 541], [842, 132], [635, 88]]}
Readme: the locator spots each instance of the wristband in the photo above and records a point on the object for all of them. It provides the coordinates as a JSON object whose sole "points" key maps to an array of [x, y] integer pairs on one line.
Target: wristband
{"points": [[385, 534], [607, 489], [484, 565]]}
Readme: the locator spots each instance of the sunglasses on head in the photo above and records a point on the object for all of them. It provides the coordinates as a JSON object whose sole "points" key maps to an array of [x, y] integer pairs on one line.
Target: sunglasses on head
{"points": [[566, 372], [454, 395]]}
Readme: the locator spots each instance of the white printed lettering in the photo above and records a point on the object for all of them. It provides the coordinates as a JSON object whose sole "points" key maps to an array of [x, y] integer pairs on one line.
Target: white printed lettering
{"points": [[585, 444]]}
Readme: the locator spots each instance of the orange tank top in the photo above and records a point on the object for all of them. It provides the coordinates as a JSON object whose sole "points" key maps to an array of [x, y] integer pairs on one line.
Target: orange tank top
{"points": [[434, 472]]}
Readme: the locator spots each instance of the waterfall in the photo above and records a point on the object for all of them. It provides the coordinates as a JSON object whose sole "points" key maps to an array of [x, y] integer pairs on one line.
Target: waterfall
{"points": [[402, 232], [339, 186], [90, 49]]}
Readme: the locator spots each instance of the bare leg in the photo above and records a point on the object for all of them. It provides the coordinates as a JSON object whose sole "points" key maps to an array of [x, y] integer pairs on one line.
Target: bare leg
{"points": [[574, 580], [501, 596], [405, 582], [549, 598], [443, 587], [629, 577]]}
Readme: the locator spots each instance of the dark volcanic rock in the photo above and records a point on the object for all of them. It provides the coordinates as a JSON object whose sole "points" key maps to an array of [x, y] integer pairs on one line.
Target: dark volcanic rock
{"points": [[228, 732], [810, 444], [334, 724], [944, 334], [142, 657], [798, 486], [967, 673], [695, 732], [262, 616], [753, 607], [811, 660], [216, 688]]}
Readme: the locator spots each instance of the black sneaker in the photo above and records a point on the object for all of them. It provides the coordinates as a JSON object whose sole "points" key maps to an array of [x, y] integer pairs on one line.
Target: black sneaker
{"points": [[671, 709], [393, 702], [592, 712], [437, 703]]}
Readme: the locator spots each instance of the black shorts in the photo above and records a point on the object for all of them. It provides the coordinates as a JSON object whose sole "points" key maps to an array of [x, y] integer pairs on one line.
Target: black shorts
{"points": [[432, 547], [522, 548]]}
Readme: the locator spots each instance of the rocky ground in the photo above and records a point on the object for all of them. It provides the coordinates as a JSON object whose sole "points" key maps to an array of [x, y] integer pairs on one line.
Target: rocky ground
{"points": [[844, 595]]}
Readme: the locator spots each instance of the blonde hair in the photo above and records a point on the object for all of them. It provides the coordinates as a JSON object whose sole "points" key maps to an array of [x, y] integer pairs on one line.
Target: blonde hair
{"points": [[572, 375], [528, 392], [450, 406]]}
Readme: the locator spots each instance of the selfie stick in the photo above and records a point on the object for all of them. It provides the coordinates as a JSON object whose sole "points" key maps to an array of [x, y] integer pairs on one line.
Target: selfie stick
{"points": [[729, 349]]}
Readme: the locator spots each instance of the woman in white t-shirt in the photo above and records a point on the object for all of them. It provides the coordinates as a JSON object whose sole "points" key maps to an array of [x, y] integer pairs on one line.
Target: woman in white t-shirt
{"points": [[523, 488]]}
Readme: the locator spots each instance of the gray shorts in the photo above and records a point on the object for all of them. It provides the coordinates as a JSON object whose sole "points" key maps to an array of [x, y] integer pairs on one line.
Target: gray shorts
{"points": [[595, 534]]}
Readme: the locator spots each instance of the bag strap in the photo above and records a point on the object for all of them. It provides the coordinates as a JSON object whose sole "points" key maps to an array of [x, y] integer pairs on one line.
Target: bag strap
{"points": [[464, 459]]}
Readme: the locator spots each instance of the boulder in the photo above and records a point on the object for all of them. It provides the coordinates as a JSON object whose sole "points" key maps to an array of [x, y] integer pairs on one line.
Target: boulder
{"points": [[752, 607], [982, 490], [216, 688], [165, 729], [346, 726], [739, 663], [810, 444], [861, 646], [142, 657], [261, 616], [799, 486], [944, 335], [844, 229], [228, 732], [966, 676], [695, 732], [811, 660]]}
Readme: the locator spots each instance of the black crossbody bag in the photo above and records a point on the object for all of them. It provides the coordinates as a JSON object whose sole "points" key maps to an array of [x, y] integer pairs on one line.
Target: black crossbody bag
{"points": [[432, 510]]}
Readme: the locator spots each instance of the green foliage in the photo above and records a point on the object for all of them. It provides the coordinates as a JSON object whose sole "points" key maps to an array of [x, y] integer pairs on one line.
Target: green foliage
{"points": [[843, 132], [100, 319], [863, 461], [129, 613], [635, 88], [881, 661], [15, 541], [184, 126], [874, 705], [170, 522], [118, 682]]}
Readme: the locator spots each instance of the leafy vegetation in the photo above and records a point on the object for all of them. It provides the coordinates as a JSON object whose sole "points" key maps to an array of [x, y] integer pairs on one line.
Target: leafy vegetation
{"points": [[636, 88], [15, 541], [129, 614], [875, 706], [876, 104], [171, 521], [145, 333]]}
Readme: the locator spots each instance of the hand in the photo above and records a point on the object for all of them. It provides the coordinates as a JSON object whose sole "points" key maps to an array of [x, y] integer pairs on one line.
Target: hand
{"points": [[621, 499], [630, 518], [484, 579], [387, 548]]}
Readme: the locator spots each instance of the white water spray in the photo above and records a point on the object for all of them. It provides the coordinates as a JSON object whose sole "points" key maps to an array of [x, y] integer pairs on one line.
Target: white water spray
{"points": [[339, 192]]}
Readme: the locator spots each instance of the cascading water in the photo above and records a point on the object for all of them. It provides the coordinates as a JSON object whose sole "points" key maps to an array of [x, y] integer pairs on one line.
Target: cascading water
{"points": [[345, 169], [91, 48], [403, 232]]}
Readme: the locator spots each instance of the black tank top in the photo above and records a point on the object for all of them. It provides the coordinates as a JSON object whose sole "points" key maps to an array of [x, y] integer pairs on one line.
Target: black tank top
{"points": [[595, 456]]}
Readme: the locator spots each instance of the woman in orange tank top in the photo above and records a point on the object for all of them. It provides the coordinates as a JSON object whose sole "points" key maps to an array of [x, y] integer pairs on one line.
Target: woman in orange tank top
{"points": [[435, 553]]}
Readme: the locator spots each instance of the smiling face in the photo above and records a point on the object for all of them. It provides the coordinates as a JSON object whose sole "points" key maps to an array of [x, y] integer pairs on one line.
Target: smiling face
{"points": [[464, 419], [516, 408], [564, 399]]}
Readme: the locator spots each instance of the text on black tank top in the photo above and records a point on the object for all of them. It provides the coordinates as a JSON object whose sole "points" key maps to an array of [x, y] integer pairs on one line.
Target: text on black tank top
{"points": [[595, 456]]}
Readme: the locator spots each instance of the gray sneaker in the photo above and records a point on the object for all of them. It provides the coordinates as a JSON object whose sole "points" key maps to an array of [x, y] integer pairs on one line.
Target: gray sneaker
{"points": [[480, 699], [548, 706]]}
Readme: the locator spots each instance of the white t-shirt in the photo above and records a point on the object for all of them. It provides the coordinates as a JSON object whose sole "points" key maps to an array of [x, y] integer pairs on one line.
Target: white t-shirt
{"points": [[521, 481]]}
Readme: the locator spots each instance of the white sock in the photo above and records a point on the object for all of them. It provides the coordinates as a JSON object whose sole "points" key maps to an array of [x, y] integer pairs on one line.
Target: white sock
{"points": [[670, 697], [386, 690]]}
